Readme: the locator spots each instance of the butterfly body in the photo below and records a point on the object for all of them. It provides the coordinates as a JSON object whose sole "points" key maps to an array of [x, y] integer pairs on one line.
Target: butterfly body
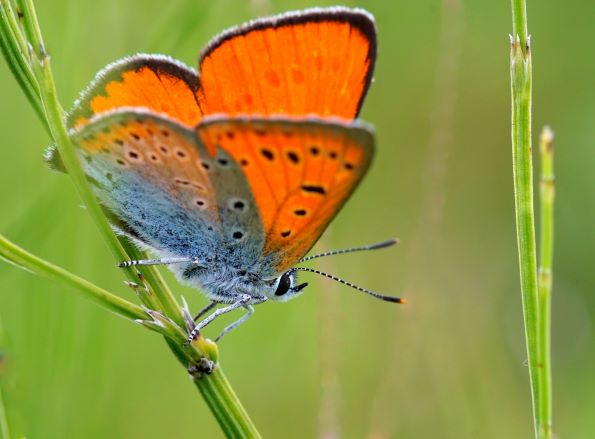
{"points": [[236, 171]]}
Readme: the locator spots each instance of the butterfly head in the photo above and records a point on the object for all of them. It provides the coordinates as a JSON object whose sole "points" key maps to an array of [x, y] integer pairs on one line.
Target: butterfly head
{"points": [[284, 287], [220, 281]]}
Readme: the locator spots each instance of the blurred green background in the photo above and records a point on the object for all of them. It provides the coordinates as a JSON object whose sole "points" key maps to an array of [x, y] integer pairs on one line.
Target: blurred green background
{"points": [[333, 363]]}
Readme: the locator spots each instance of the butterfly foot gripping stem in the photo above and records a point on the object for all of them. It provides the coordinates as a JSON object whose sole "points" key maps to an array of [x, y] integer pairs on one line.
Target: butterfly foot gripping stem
{"points": [[203, 367]]}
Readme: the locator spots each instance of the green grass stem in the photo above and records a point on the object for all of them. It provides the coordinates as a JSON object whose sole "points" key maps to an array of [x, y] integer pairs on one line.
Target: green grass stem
{"points": [[536, 316], [523, 198], [14, 49], [519, 21], [547, 193], [218, 393], [17, 256], [4, 425]]}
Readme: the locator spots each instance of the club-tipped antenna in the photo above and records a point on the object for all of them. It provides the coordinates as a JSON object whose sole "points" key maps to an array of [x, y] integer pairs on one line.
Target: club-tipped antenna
{"points": [[383, 244], [355, 287]]}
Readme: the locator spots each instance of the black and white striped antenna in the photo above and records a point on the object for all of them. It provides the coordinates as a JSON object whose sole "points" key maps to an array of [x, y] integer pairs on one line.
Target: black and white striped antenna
{"points": [[349, 284], [383, 244]]}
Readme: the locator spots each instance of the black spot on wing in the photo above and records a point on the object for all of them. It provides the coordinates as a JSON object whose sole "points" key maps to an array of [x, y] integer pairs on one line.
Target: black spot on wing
{"points": [[314, 189]]}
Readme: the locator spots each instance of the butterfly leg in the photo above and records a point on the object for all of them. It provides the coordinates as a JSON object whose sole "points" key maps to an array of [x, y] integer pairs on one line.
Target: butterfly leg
{"points": [[234, 325], [205, 310], [160, 261], [243, 300]]}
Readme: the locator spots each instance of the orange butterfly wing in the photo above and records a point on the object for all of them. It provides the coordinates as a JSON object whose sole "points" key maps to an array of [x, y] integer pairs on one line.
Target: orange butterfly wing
{"points": [[319, 61], [301, 172], [316, 61], [155, 82]]}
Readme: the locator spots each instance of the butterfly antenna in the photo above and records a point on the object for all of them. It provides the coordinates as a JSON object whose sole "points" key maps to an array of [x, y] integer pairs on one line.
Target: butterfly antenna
{"points": [[383, 244], [355, 287]]}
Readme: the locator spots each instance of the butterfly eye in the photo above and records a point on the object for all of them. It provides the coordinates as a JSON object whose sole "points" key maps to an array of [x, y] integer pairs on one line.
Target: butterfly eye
{"points": [[284, 284]]}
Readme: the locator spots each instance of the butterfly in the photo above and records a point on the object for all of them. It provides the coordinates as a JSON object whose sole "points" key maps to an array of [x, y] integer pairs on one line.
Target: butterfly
{"points": [[230, 175]]}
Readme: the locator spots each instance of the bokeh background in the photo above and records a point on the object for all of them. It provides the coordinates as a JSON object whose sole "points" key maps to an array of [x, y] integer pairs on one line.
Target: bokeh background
{"points": [[333, 363]]}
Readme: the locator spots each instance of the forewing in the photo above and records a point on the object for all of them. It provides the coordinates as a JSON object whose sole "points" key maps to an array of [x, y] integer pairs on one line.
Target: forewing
{"points": [[300, 170], [317, 61]]}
